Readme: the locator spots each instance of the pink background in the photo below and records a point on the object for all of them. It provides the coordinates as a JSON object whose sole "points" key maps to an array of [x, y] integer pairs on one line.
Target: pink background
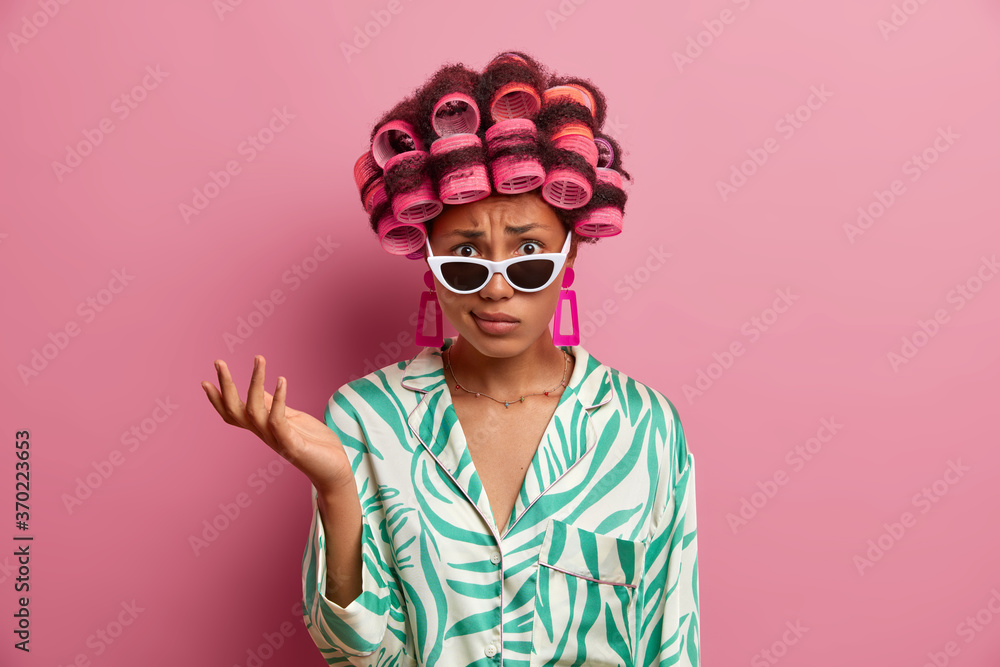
{"points": [[686, 127]]}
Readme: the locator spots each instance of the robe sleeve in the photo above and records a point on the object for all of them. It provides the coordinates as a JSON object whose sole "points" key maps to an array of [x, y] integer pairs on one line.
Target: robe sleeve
{"points": [[371, 629], [670, 615]]}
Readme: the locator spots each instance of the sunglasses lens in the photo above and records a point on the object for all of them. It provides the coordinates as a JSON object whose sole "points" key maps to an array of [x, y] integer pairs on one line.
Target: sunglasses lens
{"points": [[531, 274], [526, 275], [464, 275]]}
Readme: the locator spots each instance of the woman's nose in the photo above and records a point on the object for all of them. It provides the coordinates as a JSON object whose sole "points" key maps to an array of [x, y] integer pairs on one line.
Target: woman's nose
{"points": [[496, 286]]}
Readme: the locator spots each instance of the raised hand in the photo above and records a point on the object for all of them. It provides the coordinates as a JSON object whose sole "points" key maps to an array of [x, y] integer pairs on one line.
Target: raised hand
{"points": [[306, 442]]}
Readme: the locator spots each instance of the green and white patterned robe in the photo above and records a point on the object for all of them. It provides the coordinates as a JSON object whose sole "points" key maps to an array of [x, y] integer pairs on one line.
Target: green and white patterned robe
{"points": [[598, 563]]}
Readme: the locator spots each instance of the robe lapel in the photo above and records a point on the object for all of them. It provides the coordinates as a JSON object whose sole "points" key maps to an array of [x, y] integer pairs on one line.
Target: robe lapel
{"points": [[568, 437]]}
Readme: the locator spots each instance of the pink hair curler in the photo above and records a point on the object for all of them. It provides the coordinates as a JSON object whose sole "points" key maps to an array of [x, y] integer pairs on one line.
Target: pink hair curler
{"points": [[375, 195], [572, 92], [400, 238], [455, 113], [573, 128], [605, 220], [365, 168], [590, 102], [514, 174], [367, 176], [510, 132], [507, 57], [566, 188], [609, 177], [605, 152], [515, 100], [579, 138], [393, 138], [420, 203], [466, 183], [579, 144]]}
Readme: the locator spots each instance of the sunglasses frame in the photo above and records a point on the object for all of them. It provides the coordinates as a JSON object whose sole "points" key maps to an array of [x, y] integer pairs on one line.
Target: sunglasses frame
{"points": [[558, 259]]}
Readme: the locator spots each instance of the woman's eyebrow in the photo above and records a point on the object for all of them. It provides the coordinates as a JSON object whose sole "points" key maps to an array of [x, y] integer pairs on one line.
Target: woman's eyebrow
{"points": [[511, 230]]}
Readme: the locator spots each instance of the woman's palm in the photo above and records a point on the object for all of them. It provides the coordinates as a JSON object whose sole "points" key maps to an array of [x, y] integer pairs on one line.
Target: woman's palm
{"points": [[306, 442]]}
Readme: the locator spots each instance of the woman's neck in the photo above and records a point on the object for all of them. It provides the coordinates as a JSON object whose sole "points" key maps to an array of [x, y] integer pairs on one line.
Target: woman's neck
{"points": [[538, 368]]}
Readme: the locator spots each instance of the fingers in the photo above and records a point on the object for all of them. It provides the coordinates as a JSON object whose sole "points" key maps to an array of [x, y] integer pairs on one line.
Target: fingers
{"points": [[227, 402], [262, 414], [255, 408], [215, 398], [278, 403], [277, 420]]}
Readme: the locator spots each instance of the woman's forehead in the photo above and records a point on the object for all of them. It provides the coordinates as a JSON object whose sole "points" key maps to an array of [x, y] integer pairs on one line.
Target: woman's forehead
{"points": [[499, 212]]}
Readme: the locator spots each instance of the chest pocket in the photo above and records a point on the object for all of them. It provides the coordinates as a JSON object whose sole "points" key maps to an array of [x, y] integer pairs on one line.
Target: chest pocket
{"points": [[585, 598]]}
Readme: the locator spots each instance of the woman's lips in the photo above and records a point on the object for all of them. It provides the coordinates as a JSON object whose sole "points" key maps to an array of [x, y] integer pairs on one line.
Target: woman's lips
{"points": [[494, 327]]}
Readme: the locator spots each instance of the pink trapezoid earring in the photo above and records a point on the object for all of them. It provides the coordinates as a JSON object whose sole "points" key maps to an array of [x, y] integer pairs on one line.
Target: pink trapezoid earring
{"points": [[435, 339], [569, 295]]}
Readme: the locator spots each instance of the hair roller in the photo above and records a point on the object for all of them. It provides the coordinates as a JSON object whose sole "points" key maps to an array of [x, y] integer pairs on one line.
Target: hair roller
{"points": [[409, 188], [509, 128], [366, 170], [571, 92], [508, 56], [598, 108], [569, 179], [569, 153], [375, 195], [368, 178], [393, 138], [510, 87], [458, 166], [569, 123], [606, 142], [514, 156], [604, 213], [446, 104], [578, 138], [605, 152], [397, 237], [514, 100], [455, 113]]}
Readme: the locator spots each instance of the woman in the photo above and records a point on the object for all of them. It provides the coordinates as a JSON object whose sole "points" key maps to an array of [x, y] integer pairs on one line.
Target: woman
{"points": [[502, 497]]}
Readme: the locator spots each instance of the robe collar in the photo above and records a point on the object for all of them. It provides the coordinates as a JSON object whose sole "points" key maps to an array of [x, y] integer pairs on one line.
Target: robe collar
{"points": [[569, 436]]}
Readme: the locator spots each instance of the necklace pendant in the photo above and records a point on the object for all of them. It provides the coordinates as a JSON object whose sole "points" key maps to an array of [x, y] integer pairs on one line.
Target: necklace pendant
{"points": [[522, 399], [546, 393], [506, 404], [477, 394]]}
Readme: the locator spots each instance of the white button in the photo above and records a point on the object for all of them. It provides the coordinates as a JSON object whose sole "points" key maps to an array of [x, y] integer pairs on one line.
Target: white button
{"points": [[491, 651], [495, 558]]}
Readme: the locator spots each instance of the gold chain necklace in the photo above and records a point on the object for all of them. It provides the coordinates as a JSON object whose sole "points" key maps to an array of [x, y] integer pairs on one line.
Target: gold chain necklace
{"points": [[506, 404]]}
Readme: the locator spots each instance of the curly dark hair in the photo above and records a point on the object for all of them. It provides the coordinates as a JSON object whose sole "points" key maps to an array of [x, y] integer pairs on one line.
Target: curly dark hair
{"points": [[421, 111]]}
